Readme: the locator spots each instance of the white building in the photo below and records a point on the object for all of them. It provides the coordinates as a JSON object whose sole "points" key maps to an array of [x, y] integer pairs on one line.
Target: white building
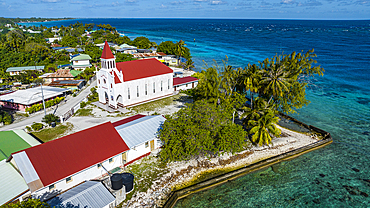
{"points": [[133, 82], [140, 134], [58, 165], [80, 61]]}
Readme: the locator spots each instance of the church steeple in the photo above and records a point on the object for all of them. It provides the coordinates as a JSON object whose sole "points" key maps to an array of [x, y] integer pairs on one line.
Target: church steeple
{"points": [[108, 61]]}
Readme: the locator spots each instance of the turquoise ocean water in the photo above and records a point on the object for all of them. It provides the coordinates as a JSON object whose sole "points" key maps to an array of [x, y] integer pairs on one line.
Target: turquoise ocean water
{"points": [[335, 176]]}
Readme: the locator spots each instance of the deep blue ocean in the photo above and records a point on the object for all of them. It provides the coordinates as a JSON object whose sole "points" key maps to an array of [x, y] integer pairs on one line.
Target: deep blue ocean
{"points": [[335, 176]]}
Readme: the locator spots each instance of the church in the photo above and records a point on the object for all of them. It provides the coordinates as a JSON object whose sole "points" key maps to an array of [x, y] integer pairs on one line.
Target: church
{"points": [[131, 83]]}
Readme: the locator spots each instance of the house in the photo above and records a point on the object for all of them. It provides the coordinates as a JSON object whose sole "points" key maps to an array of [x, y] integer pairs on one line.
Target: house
{"points": [[156, 55], [88, 194], [125, 48], [22, 99], [62, 74], [184, 83], [140, 134], [133, 82], [80, 61], [58, 165], [51, 40], [17, 70], [12, 184], [69, 84]]}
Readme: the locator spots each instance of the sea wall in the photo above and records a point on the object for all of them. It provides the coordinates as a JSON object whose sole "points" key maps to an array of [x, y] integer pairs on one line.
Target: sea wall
{"points": [[181, 193]]}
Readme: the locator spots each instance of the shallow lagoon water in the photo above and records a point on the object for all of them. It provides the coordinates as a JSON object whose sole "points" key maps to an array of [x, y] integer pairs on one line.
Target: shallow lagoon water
{"points": [[335, 176]]}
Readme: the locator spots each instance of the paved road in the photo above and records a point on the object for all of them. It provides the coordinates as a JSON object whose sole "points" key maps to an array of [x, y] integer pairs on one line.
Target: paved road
{"points": [[57, 110]]}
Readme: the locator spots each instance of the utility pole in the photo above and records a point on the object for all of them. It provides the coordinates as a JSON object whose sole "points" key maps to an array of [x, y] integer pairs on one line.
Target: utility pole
{"points": [[42, 93]]}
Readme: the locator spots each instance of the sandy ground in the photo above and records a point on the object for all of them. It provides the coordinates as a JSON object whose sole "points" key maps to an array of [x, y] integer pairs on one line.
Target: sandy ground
{"points": [[186, 171]]}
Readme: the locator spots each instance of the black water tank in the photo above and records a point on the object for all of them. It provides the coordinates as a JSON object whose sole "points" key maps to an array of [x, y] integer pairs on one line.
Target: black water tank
{"points": [[128, 181], [116, 181]]}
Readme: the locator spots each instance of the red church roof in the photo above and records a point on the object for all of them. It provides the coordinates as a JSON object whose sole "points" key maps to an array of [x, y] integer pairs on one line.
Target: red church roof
{"points": [[107, 53], [143, 68], [60, 158], [126, 120], [183, 80], [116, 78]]}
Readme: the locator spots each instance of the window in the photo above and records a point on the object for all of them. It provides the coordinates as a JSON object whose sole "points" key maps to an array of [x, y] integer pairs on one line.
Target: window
{"points": [[99, 165], [161, 85], [111, 85], [69, 179], [153, 87], [146, 89], [128, 93], [168, 83], [104, 81], [137, 91], [51, 187], [99, 81], [186, 85], [110, 160], [146, 144]]}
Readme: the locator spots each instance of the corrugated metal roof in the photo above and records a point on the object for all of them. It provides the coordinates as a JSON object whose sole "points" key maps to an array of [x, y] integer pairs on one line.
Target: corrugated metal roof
{"points": [[60, 158], [11, 183], [22, 68], [183, 80], [90, 194], [140, 130], [25, 167], [143, 68], [12, 141], [32, 95], [126, 120], [81, 57], [26, 137]]}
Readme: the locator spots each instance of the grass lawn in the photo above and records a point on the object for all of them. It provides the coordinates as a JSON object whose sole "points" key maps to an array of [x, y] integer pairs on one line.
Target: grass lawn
{"points": [[154, 105], [49, 134], [84, 112]]}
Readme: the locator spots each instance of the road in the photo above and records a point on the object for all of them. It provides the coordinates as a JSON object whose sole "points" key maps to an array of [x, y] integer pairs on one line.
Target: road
{"points": [[60, 109]]}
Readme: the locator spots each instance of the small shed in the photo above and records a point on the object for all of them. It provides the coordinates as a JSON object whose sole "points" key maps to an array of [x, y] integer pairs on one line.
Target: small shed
{"points": [[91, 194]]}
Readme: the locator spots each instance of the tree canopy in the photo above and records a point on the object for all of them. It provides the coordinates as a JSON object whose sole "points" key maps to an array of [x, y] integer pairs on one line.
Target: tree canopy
{"points": [[200, 129]]}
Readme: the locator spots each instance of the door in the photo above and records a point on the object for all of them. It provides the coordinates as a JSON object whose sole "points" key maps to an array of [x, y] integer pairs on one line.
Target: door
{"points": [[152, 145], [124, 158], [192, 85]]}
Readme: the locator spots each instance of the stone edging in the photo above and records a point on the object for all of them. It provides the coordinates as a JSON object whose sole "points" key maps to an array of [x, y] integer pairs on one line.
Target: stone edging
{"points": [[179, 194]]}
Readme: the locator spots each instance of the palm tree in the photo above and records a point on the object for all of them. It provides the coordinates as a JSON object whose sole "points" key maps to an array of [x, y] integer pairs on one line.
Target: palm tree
{"points": [[276, 79], [180, 49], [189, 64], [252, 78], [264, 128]]}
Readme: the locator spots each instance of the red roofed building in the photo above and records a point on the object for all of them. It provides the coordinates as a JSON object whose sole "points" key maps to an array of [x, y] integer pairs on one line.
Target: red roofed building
{"points": [[133, 82], [184, 83], [61, 164]]}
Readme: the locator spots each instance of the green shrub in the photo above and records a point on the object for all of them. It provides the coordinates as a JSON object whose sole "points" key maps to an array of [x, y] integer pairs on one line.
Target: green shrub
{"points": [[49, 118], [82, 104], [7, 119], [37, 126], [29, 129]]}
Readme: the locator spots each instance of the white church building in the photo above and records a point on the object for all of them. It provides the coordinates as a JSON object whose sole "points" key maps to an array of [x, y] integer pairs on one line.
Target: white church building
{"points": [[133, 82]]}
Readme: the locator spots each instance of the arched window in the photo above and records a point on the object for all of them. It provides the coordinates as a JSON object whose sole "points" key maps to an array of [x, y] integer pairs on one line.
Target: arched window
{"points": [[104, 81], [146, 89], [153, 87], [161, 85], [137, 91], [128, 89], [168, 83]]}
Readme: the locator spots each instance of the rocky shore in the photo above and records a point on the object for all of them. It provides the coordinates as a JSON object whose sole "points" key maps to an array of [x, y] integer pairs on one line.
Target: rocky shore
{"points": [[185, 173]]}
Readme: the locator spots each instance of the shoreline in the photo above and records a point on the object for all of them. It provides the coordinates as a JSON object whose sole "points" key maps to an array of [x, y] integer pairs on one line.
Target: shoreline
{"points": [[187, 177]]}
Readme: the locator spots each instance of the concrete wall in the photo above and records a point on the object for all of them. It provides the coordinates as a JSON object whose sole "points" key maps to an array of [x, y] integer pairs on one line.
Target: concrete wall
{"points": [[77, 178]]}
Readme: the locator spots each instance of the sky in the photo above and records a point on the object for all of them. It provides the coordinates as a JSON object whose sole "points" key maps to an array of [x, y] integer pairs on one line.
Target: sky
{"points": [[238, 9]]}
